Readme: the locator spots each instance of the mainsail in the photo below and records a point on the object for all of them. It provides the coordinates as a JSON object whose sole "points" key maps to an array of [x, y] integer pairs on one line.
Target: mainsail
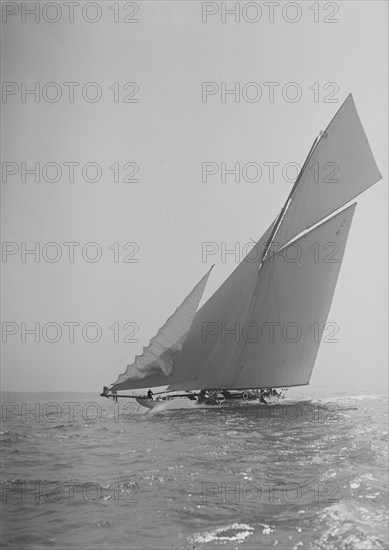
{"points": [[279, 340], [263, 326]]}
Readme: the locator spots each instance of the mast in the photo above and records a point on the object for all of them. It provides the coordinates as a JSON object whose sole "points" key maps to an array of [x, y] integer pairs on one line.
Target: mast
{"points": [[289, 199], [273, 233]]}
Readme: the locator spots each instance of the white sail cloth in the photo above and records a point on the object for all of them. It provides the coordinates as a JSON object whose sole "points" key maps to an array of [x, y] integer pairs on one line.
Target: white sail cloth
{"points": [[159, 355], [341, 167], [230, 301], [263, 326], [205, 349], [277, 342], [281, 336]]}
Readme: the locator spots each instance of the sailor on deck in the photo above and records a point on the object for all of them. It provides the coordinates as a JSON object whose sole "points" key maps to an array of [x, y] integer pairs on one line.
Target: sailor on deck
{"points": [[261, 397], [202, 396]]}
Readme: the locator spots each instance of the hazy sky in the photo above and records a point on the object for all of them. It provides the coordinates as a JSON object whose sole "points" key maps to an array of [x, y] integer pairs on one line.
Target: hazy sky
{"points": [[166, 136]]}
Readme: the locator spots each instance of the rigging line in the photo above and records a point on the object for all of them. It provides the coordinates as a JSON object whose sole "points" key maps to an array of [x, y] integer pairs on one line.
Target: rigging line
{"points": [[275, 289], [259, 212], [275, 294], [315, 226], [249, 315], [290, 197], [274, 230], [271, 197], [260, 311], [252, 309], [306, 335]]}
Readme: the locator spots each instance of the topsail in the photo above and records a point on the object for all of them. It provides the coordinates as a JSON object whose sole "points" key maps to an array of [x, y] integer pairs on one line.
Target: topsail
{"points": [[263, 326], [340, 167]]}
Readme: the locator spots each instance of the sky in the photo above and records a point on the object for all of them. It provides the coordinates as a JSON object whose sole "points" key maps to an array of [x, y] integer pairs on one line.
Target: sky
{"points": [[142, 115]]}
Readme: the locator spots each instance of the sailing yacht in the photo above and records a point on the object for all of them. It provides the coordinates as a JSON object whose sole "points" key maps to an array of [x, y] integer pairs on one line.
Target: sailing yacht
{"points": [[262, 328]]}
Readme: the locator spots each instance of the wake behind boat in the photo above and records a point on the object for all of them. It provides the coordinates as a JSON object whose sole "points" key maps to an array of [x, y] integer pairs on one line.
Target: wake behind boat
{"points": [[262, 328]]}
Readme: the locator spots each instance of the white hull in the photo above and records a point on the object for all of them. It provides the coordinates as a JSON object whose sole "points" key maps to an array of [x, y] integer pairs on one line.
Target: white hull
{"points": [[228, 403], [148, 403]]}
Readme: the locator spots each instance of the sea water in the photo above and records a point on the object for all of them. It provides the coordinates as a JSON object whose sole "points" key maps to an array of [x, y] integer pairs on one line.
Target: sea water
{"points": [[308, 472]]}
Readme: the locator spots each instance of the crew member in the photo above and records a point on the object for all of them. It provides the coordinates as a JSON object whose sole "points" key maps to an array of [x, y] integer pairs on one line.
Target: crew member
{"points": [[262, 398], [201, 397]]}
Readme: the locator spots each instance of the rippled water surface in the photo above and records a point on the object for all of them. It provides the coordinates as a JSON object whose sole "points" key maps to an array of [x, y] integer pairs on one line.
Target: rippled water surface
{"points": [[310, 472]]}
